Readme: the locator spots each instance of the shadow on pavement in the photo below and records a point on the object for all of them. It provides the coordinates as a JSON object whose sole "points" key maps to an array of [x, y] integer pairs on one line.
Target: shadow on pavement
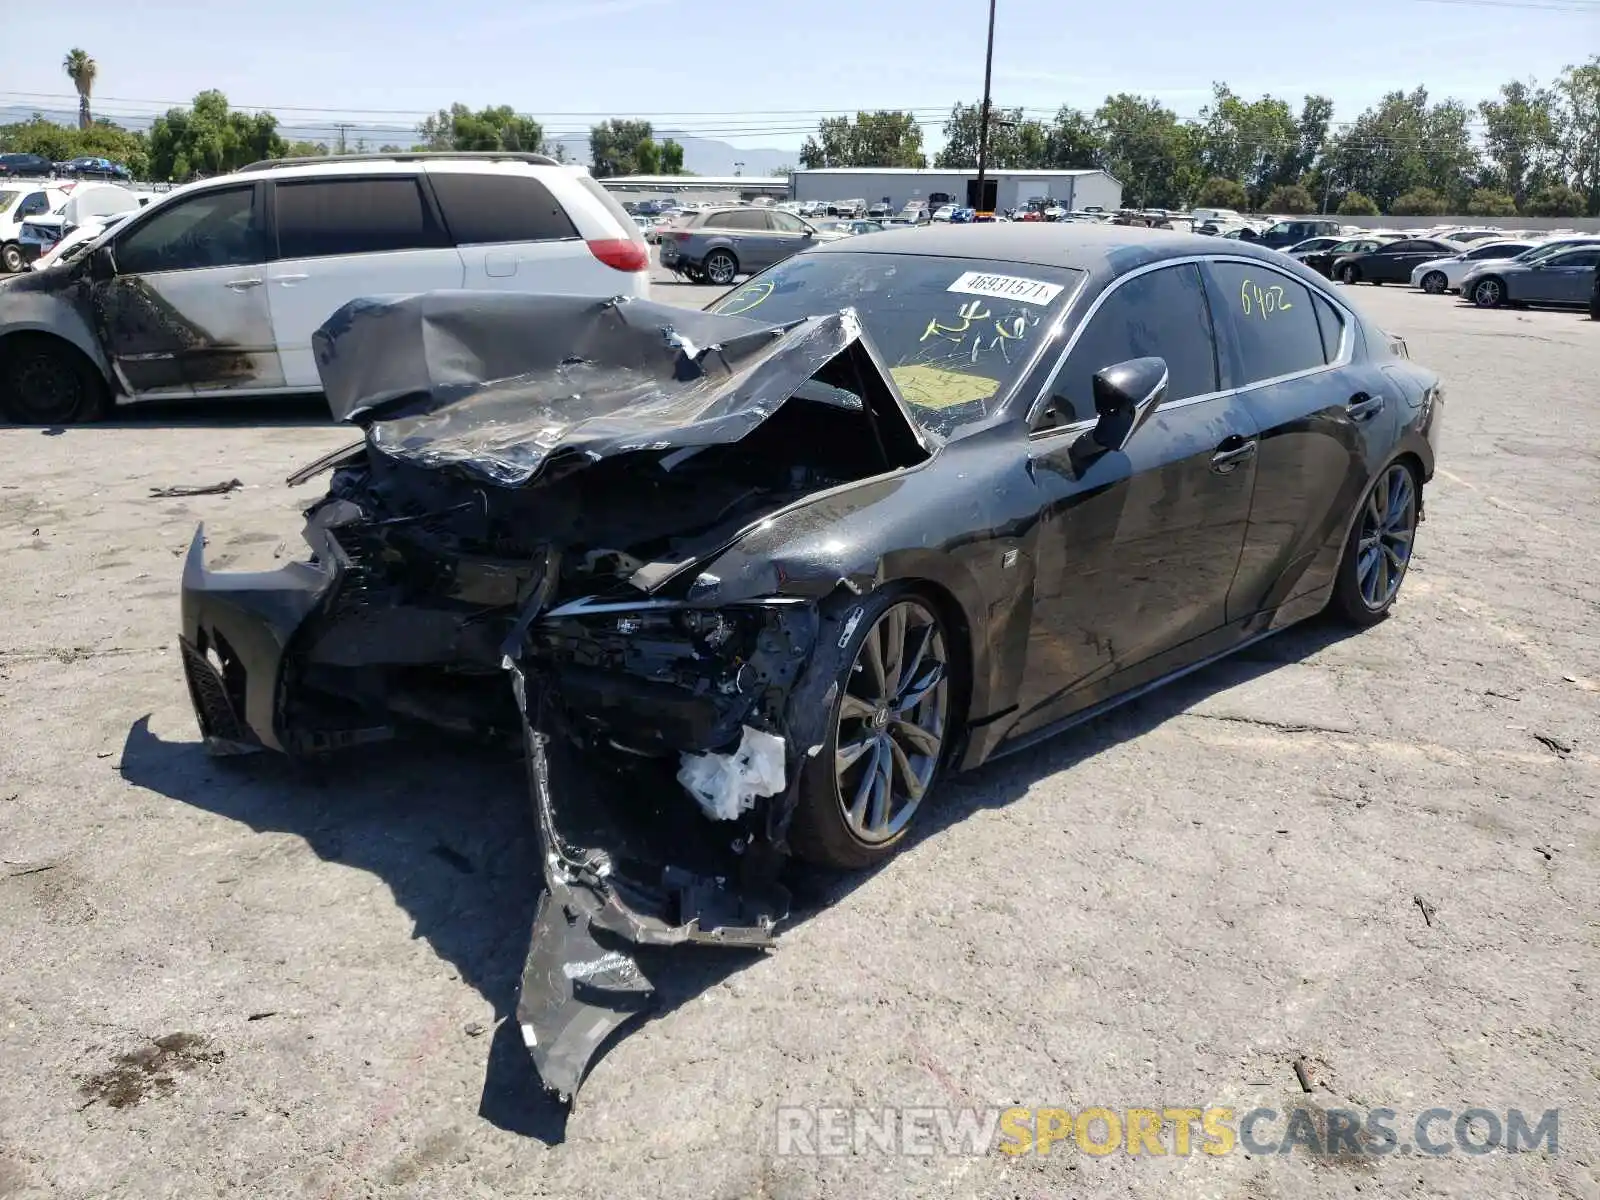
{"points": [[449, 828]]}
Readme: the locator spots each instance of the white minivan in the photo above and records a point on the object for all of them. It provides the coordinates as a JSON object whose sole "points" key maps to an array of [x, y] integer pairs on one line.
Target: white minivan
{"points": [[216, 288]]}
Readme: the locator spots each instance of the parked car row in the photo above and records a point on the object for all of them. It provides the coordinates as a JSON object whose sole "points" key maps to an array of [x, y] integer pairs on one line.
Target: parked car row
{"points": [[35, 216], [37, 166], [1488, 267]]}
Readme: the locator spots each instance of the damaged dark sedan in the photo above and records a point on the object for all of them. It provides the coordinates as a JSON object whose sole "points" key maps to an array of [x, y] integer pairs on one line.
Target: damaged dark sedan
{"points": [[746, 582]]}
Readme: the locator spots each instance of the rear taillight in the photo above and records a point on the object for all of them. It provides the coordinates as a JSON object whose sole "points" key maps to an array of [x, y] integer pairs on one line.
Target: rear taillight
{"points": [[680, 237], [623, 254]]}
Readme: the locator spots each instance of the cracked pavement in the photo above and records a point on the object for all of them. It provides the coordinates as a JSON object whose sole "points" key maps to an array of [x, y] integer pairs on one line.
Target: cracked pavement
{"points": [[293, 981]]}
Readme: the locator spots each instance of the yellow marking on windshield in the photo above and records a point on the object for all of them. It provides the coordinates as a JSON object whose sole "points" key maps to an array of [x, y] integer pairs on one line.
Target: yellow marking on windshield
{"points": [[749, 296], [934, 387]]}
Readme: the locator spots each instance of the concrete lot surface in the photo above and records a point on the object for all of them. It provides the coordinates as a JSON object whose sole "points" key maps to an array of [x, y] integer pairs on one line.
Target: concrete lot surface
{"points": [[1371, 855]]}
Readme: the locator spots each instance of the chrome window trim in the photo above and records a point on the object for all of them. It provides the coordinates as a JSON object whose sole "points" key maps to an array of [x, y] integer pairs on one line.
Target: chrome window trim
{"points": [[1341, 359]]}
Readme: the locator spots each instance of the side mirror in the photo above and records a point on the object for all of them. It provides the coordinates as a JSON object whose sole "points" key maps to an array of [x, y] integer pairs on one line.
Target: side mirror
{"points": [[1124, 396], [102, 266]]}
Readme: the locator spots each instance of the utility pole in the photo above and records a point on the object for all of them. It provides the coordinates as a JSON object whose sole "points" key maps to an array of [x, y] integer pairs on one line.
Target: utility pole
{"points": [[983, 117], [343, 128]]}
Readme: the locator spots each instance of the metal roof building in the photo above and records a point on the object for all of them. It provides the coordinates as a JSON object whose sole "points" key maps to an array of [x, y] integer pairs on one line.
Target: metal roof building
{"points": [[1075, 188]]}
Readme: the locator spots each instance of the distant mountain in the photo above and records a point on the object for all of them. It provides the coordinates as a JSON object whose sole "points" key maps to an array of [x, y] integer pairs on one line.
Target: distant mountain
{"points": [[702, 156]]}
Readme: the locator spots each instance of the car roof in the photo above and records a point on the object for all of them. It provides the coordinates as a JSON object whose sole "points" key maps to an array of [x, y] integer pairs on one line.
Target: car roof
{"points": [[1105, 251]]}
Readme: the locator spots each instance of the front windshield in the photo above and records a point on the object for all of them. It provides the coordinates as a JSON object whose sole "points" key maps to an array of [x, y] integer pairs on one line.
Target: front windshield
{"points": [[1545, 251], [956, 333]]}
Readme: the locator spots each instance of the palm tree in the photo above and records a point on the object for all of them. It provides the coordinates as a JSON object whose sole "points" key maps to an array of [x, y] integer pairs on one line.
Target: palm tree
{"points": [[82, 70]]}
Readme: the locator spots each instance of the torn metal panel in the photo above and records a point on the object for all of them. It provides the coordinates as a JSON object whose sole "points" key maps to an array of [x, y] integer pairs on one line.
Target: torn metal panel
{"points": [[498, 386], [609, 883]]}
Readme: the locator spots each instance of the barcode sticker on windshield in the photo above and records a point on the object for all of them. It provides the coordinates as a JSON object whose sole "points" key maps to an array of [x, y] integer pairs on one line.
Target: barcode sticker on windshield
{"points": [[1006, 287]]}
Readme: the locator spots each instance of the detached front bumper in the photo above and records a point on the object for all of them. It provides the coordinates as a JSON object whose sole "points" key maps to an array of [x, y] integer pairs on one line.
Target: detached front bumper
{"points": [[237, 629]]}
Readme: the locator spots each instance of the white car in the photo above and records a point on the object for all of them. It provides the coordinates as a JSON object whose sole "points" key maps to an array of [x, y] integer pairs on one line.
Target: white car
{"points": [[84, 202], [20, 200], [1441, 275], [74, 243], [216, 288], [944, 212]]}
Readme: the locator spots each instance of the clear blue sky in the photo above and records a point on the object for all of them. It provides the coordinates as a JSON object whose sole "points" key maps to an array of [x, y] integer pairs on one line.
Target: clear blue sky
{"points": [[569, 61]]}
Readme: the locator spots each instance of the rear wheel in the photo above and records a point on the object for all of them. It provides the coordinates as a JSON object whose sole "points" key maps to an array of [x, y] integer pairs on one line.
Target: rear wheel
{"points": [[11, 257], [44, 381], [720, 268], [886, 733], [1379, 550], [1489, 293], [1434, 283]]}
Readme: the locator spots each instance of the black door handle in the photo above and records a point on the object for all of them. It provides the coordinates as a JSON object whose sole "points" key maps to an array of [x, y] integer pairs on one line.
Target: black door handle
{"points": [[1231, 452], [1364, 407]]}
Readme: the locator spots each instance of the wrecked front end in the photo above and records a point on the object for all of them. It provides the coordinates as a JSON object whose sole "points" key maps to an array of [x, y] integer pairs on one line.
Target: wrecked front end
{"points": [[517, 551]]}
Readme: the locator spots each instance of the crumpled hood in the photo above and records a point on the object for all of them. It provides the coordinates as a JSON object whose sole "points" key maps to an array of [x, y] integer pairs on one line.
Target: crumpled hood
{"points": [[498, 385]]}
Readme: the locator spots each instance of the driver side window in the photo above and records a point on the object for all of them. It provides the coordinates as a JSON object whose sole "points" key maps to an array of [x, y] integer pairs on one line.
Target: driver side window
{"points": [[216, 229], [1163, 313]]}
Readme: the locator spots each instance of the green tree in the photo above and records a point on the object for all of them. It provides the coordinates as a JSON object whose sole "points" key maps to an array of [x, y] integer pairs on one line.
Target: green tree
{"points": [[1291, 199], [614, 146], [1403, 143], [1147, 150], [885, 138], [305, 149], [647, 158], [1487, 202], [1522, 138], [1071, 141], [1015, 142], [1252, 141], [209, 139], [1579, 89], [1420, 202], [1218, 192], [671, 158], [1357, 204], [498, 128], [1556, 201], [81, 69]]}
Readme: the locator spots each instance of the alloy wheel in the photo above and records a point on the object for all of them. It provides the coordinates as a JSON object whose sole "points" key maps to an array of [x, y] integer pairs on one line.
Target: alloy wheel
{"points": [[11, 259], [1487, 294], [892, 721], [1434, 283], [1388, 529], [1349, 275], [720, 269]]}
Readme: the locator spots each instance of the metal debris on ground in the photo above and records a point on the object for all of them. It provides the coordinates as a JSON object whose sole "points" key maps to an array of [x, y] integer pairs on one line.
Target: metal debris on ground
{"points": [[1428, 910], [195, 489]]}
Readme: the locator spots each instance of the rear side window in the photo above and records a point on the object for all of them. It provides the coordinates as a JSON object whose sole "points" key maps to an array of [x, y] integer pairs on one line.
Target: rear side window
{"points": [[500, 208], [1274, 320], [1331, 323], [749, 219], [323, 217], [1162, 313]]}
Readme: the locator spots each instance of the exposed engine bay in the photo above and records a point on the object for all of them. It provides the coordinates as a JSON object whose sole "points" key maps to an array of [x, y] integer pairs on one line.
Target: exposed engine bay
{"points": [[516, 553]]}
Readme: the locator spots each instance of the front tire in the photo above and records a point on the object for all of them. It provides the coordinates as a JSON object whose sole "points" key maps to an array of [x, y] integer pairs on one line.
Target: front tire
{"points": [[1434, 283], [1378, 552], [721, 268], [11, 258], [1348, 274], [44, 381], [1489, 293], [887, 730]]}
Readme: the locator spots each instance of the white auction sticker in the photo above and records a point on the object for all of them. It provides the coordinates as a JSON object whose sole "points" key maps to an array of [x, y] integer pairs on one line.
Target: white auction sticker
{"points": [[1006, 287]]}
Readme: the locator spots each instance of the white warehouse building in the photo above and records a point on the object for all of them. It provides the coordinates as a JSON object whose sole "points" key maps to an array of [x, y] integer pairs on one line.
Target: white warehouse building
{"points": [[899, 186]]}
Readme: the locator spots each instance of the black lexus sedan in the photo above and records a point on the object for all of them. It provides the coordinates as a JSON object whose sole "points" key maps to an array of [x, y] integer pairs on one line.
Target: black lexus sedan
{"points": [[751, 581], [1392, 263]]}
